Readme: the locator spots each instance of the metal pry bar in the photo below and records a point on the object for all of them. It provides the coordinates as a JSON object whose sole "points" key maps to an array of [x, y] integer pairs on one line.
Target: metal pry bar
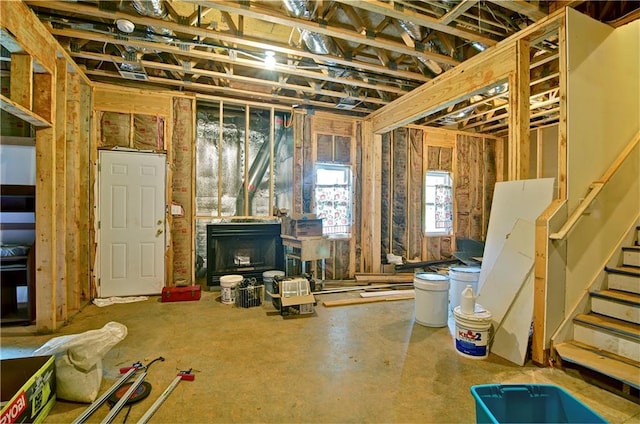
{"points": [[128, 372], [182, 375]]}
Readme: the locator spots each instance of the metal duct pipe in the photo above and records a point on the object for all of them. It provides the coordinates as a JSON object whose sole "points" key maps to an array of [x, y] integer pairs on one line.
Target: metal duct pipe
{"points": [[317, 43], [259, 166], [154, 9], [301, 8], [414, 30]]}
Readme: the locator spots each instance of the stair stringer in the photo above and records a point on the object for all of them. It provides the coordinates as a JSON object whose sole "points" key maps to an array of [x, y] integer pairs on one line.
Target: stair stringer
{"points": [[564, 333]]}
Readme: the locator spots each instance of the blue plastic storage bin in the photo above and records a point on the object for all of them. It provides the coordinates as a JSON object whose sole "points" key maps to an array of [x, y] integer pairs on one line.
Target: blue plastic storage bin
{"points": [[529, 403]]}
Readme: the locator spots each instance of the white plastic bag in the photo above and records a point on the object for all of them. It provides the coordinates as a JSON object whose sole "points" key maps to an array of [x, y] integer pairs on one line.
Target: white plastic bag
{"points": [[79, 360]]}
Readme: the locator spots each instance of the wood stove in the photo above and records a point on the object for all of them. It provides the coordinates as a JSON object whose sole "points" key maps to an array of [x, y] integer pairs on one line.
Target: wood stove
{"points": [[243, 248]]}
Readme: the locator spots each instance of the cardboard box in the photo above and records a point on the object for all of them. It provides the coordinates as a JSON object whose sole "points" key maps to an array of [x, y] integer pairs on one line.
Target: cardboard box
{"points": [[302, 227], [294, 297], [28, 386]]}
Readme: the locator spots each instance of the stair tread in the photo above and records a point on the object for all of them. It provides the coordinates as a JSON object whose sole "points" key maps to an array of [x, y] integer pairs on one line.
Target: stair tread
{"points": [[626, 270], [633, 248], [619, 295], [623, 328], [607, 363]]}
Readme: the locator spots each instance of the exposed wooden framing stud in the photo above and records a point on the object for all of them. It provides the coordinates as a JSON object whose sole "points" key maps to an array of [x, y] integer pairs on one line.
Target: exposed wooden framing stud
{"points": [[45, 240], [519, 144], [562, 94], [85, 146], [61, 189], [21, 83], [73, 193]]}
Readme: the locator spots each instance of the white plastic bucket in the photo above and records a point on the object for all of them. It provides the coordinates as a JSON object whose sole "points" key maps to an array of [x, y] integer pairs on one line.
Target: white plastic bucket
{"points": [[227, 287], [472, 332], [459, 278], [432, 299], [267, 280]]}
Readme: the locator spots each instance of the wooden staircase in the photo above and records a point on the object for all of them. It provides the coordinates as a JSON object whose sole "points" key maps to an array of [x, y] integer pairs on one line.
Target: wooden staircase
{"points": [[606, 341]]}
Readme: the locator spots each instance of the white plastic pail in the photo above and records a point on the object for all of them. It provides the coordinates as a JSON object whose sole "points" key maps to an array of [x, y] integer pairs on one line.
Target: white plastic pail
{"points": [[432, 299], [267, 280], [227, 287], [459, 278], [472, 332]]}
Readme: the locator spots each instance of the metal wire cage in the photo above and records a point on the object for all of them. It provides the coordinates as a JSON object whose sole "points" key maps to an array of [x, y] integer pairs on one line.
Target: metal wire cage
{"points": [[250, 295]]}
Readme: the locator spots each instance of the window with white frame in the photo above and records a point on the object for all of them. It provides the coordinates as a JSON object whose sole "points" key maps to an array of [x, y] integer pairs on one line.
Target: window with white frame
{"points": [[333, 198], [438, 203]]}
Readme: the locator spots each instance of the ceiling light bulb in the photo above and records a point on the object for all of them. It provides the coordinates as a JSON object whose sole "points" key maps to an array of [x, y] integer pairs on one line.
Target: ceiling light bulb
{"points": [[125, 25], [269, 59]]}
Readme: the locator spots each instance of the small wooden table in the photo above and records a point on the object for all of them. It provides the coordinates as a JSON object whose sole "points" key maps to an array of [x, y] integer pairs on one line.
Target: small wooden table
{"points": [[305, 249]]}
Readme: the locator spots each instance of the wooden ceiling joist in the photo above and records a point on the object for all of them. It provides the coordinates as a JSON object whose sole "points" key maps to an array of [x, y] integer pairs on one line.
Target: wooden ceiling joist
{"points": [[352, 36], [387, 9]]}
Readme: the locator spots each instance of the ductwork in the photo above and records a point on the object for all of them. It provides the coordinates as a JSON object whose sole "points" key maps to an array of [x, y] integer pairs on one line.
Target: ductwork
{"points": [[154, 9], [304, 9], [259, 166], [315, 42], [414, 30]]}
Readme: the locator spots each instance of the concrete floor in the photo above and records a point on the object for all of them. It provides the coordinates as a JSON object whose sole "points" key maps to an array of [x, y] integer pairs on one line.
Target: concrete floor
{"points": [[362, 363]]}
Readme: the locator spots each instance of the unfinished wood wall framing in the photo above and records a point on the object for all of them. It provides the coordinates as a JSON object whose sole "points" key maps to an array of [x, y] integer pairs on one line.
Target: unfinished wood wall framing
{"points": [[156, 121], [182, 230], [407, 154], [439, 156], [332, 139]]}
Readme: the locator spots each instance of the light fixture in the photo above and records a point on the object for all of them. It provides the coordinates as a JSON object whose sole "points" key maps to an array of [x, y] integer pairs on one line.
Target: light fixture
{"points": [[125, 25], [269, 59]]}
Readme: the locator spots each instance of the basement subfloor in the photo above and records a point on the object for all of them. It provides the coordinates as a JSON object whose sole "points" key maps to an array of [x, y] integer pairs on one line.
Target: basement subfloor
{"points": [[349, 364]]}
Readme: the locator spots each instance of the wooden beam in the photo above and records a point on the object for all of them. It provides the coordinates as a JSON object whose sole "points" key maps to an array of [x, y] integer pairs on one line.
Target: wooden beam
{"points": [[522, 7], [519, 143], [23, 25], [61, 189], [86, 146], [23, 113], [220, 36], [454, 13], [360, 300], [467, 79], [348, 35], [393, 11], [21, 81], [207, 88], [205, 55], [562, 120], [45, 240], [72, 189], [355, 19]]}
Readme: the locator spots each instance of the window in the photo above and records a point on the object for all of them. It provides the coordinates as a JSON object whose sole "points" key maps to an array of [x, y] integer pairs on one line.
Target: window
{"points": [[333, 198], [438, 203]]}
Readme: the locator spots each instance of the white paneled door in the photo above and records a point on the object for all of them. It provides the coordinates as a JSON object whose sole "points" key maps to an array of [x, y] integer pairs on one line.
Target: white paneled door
{"points": [[131, 204]]}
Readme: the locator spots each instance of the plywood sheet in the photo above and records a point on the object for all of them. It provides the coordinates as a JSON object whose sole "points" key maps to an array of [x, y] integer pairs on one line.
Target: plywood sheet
{"points": [[512, 200]]}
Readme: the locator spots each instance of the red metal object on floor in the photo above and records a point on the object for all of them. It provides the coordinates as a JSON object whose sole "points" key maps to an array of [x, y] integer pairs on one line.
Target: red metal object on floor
{"points": [[181, 294]]}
